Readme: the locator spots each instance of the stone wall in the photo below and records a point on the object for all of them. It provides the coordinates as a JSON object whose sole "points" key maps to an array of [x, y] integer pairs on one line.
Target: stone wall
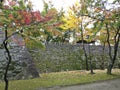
{"points": [[57, 57], [22, 65]]}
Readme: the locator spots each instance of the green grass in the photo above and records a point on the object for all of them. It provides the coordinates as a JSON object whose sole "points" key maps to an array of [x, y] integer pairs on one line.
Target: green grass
{"points": [[60, 79]]}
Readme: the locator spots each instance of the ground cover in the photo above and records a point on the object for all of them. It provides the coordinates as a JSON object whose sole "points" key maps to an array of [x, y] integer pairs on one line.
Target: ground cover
{"points": [[61, 79]]}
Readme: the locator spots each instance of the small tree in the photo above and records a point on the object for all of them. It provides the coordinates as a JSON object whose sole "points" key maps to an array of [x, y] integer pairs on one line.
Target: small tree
{"points": [[109, 20]]}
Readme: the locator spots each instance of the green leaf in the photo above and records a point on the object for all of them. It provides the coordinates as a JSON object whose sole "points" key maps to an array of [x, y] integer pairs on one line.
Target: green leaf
{"points": [[98, 26], [4, 20], [32, 42]]}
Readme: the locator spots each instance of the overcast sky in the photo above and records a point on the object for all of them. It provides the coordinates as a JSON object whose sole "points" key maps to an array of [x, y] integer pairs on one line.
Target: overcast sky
{"points": [[38, 4]]}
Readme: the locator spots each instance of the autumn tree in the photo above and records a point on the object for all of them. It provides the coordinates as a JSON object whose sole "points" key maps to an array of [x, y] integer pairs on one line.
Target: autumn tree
{"points": [[18, 18], [76, 20], [107, 19], [51, 27], [12, 22], [113, 24], [101, 17]]}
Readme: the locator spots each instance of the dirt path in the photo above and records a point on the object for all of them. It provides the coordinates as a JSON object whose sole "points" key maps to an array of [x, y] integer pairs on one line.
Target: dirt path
{"points": [[105, 85]]}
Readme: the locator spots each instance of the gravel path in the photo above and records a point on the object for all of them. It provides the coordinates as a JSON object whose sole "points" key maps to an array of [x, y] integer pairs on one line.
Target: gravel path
{"points": [[105, 85]]}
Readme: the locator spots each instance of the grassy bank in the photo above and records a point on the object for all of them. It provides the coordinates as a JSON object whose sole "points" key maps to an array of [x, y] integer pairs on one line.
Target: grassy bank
{"points": [[61, 79]]}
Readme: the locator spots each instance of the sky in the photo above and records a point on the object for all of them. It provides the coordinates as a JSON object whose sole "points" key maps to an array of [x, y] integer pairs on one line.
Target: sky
{"points": [[38, 4]]}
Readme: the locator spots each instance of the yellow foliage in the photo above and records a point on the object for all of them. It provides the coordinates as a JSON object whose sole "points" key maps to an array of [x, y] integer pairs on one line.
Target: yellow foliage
{"points": [[77, 3], [71, 21]]}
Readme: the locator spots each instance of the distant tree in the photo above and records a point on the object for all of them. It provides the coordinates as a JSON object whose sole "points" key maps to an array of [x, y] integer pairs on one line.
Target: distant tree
{"points": [[51, 27], [75, 21]]}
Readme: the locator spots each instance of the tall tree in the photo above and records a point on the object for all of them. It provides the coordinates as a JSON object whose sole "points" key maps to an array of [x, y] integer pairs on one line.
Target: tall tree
{"points": [[18, 18]]}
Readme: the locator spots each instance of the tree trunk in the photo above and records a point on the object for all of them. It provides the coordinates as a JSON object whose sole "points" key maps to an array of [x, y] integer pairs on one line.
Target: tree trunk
{"points": [[83, 46], [8, 57], [116, 44], [111, 64], [91, 66], [86, 57], [102, 66], [109, 69]]}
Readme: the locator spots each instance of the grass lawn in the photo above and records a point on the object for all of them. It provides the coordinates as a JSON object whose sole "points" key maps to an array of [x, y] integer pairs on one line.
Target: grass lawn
{"points": [[61, 79]]}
